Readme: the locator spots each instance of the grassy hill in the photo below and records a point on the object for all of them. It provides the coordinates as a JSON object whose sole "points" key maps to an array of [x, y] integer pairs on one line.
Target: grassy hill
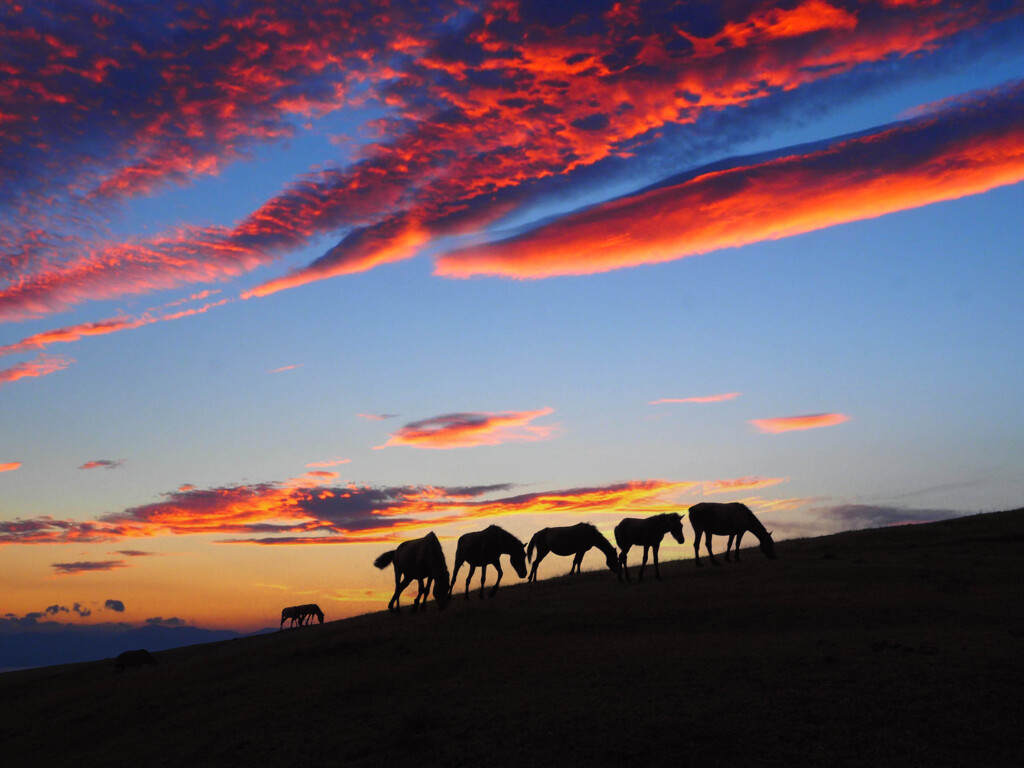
{"points": [[899, 646]]}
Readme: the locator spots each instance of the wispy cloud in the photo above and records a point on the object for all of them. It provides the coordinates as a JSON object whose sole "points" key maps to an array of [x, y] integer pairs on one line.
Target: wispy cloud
{"points": [[377, 416], [102, 464], [791, 423], [741, 484], [9, 466], [41, 365], [86, 566], [284, 368], [464, 430], [704, 399], [965, 149], [337, 461]]}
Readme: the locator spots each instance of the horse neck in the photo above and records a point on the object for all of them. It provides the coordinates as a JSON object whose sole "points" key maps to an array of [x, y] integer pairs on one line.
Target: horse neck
{"points": [[602, 543], [756, 527]]}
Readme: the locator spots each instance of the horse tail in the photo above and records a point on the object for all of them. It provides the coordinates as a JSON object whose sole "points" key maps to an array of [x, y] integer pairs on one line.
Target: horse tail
{"points": [[383, 561], [529, 549]]}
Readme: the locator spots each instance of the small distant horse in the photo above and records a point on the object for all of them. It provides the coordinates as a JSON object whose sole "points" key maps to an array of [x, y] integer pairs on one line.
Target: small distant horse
{"points": [[732, 520], [483, 548], [648, 533], [573, 540], [138, 658], [422, 560], [301, 614]]}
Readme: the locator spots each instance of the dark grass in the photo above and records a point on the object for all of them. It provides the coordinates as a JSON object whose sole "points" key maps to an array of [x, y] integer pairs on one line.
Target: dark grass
{"points": [[900, 646]]}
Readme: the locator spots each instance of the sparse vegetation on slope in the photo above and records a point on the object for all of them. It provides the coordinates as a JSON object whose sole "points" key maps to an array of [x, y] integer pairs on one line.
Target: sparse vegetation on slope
{"points": [[899, 646]]}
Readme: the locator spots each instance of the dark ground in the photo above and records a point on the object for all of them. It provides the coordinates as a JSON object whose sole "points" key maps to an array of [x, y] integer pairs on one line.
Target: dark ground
{"points": [[893, 647]]}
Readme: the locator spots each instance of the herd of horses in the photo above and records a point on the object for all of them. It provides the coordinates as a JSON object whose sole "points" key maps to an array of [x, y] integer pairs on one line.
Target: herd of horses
{"points": [[422, 560]]}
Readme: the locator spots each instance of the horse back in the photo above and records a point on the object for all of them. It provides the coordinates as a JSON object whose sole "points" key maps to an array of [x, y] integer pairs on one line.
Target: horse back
{"points": [[721, 519]]}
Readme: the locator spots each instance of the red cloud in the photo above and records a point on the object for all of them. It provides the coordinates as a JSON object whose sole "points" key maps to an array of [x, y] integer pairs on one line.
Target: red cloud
{"points": [[10, 466], [960, 151], [462, 430], [705, 399], [102, 464], [791, 423], [465, 139], [41, 365]]}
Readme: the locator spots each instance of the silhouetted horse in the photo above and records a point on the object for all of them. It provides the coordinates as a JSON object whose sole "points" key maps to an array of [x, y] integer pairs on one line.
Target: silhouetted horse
{"points": [[301, 614], [485, 548], [647, 533], [137, 658], [732, 520], [422, 560], [573, 540]]}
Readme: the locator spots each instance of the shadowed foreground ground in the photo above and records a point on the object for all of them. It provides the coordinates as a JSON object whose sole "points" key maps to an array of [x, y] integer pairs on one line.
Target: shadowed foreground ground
{"points": [[902, 646]]}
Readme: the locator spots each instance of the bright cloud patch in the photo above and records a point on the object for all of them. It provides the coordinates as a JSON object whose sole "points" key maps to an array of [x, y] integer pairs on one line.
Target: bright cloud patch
{"points": [[792, 423], [465, 430], [9, 466], [704, 399]]}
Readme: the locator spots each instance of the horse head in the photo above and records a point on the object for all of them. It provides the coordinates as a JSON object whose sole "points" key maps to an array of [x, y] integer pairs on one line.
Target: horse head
{"points": [[767, 545], [518, 558], [676, 529], [442, 591]]}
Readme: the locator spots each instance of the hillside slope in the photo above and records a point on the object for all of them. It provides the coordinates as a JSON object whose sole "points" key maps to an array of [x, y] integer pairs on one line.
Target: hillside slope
{"points": [[886, 647]]}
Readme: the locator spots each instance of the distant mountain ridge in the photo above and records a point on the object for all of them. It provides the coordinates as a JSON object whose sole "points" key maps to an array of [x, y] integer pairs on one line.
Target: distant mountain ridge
{"points": [[69, 644]]}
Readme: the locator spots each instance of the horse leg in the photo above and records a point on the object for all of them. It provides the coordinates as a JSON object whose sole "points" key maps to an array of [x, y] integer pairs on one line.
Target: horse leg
{"points": [[643, 563], [541, 554], [623, 568], [494, 589], [739, 538], [707, 544], [455, 573], [728, 547], [577, 561], [472, 570], [657, 571], [696, 547], [400, 585]]}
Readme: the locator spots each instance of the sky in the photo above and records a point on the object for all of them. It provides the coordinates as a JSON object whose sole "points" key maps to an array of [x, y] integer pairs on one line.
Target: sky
{"points": [[284, 286]]}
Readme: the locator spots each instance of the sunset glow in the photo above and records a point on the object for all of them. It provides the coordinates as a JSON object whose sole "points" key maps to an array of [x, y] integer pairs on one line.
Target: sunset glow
{"points": [[281, 286]]}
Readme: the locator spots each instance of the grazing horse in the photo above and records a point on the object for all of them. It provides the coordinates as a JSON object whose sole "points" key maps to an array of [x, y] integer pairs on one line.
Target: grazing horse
{"points": [[573, 540], [137, 658], [422, 560], [485, 548], [302, 614], [732, 520], [648, 533]]}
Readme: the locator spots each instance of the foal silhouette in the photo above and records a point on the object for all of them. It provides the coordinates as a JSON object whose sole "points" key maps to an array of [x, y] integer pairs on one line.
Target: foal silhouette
{"points": [[422, 560], [646, 532], [732, 520], [483, 548], [301, 614], [573, 540]]}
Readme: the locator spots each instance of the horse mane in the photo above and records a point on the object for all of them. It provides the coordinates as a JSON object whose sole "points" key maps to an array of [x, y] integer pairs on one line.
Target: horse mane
{"points": [[756, 526]]}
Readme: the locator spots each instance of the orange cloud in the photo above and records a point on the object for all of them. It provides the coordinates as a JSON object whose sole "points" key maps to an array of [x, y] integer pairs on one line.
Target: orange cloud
{"points": [[307, 510], [970, 147], [791, 423], [741, 484], [41, 365], [284, 368], [329, 463], [463, 430], [10, 466], [705, 399]]}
